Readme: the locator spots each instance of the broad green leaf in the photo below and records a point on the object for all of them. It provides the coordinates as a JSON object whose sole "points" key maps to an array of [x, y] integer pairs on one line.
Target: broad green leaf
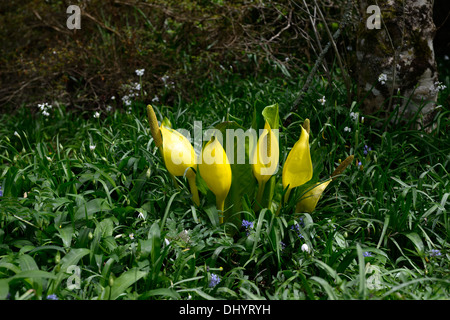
{"points": [[66, 234], [27, 263], [163, 292], [271, 115], [416, 240], [326, 286], [154, 235], [125, 280], [104, 228], [4, 288], [87, 209], [33, 274]]}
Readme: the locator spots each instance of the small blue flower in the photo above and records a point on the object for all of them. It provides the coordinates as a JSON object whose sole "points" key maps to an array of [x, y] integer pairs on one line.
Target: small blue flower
{"points": [[366, 149], [215, 279], [296, 228], [1, 192], [52, 297], [247, 225], [367, 254], [301, 222], [435, 253]]}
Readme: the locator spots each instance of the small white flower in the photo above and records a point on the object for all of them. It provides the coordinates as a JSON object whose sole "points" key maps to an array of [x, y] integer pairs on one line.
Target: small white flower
{"points": [[155, 99], [48, 158], [440, 86], [131, 235], [305, 248], [113, 98], [45, 113], [141, 216], [354, 116], [97, 114], [347, 129], [137, 86], [446, 57], [140, 72], [382, 78], [322, 100], [108, 108], [165, 78], [16, 134], [92, 147]]}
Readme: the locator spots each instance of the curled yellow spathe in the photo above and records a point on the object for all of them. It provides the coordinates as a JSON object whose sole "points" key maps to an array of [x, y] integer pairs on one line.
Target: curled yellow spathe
{"points": [[154, 127], [179, 157], [266, 155], [215, 170], [309, 200], [265, 159], [298, 168]]}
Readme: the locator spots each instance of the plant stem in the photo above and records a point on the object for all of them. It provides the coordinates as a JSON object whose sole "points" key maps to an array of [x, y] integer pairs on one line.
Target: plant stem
{"points": [[190, 175], [261, 187], [220, 204]]}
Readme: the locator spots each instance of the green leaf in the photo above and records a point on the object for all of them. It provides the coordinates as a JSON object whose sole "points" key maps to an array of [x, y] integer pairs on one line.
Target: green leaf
{"points": [[155, 236], [4, 288], [66, 234], [104, 228], [163, 292], [27, 263], [32, 274], [271, 115], [416, 240], [87, 209], [125, 280], [362, 272]]}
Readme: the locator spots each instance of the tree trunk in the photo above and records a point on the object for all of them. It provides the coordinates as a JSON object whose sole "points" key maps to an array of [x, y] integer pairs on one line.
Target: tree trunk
{"points": [[395, 62]]}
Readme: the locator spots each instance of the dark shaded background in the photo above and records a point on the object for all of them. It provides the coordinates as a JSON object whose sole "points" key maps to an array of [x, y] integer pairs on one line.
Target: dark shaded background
{"points": [[179, 43]]}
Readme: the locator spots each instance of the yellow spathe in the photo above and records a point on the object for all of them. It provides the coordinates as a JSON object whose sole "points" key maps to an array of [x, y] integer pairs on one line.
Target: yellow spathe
{"points": [[215, 170], [179, 157], [298, 168], [266, 155], [309, 200]]}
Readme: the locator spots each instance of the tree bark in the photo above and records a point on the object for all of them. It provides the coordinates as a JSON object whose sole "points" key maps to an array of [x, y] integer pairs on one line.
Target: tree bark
{"points": [[402, 50]]}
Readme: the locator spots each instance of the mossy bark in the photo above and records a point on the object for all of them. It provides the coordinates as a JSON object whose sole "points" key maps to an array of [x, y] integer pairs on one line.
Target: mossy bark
{"points": [[402, 49]]}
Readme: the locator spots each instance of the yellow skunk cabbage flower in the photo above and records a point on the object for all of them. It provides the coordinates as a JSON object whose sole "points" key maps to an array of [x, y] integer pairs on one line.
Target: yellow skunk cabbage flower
{"points": [[215, 169], [265, 158], [154, 127], [179, 157], [298, 168], [309, 200]]}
